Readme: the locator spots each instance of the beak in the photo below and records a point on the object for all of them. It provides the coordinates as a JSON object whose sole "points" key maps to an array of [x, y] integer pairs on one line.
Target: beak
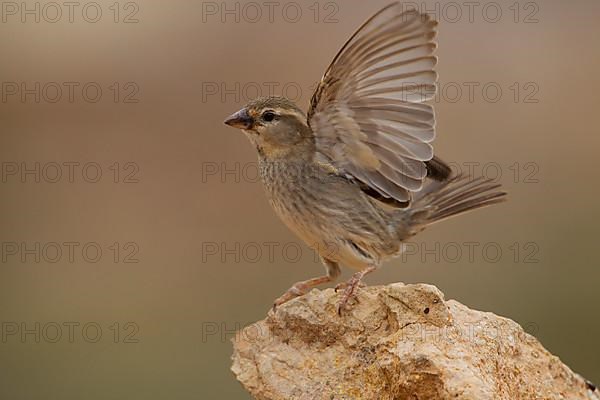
{"points": [[240, 120]]}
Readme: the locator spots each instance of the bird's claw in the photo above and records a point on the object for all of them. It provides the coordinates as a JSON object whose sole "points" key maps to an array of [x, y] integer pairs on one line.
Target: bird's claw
{"points": [[350, 289], [295, 291]]}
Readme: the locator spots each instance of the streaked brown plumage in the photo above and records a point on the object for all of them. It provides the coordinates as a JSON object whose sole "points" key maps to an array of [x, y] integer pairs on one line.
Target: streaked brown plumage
{"points": [[356, 176]]}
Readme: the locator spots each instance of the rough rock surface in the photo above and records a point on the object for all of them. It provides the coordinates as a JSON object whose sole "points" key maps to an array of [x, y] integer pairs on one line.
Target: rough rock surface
{"points": [[398, 342]]}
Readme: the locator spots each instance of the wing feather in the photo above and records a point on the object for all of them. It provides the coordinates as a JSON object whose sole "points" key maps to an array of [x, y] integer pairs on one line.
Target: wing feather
{"points": [[367, 111]]}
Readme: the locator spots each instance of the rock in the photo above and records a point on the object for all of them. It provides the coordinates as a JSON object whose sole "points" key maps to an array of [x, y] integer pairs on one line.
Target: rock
{"points": [[398, 342]]}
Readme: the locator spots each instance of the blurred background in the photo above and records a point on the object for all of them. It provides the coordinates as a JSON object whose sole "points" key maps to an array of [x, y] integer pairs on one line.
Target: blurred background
{"points": [[135, 236]]}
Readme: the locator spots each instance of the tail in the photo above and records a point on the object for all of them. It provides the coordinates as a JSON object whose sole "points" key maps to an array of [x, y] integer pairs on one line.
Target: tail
{"points": [[441, 200]]}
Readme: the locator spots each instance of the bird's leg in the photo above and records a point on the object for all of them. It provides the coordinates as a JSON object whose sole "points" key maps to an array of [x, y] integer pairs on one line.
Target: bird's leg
{"points": [[301, 288], [350, 287]]}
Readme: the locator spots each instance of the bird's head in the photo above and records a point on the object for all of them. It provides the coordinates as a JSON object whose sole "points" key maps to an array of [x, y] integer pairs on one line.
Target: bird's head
{"points": [[275, 125]]}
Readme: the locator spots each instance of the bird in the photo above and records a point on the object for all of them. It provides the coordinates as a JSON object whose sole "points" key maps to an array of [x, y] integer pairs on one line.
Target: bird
{"points": [[356, 175]]}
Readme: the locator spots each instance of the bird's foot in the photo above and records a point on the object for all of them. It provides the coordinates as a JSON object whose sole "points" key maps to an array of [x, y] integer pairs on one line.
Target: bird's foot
{"points": [[296, 290], [299, 289], [350, 287]]}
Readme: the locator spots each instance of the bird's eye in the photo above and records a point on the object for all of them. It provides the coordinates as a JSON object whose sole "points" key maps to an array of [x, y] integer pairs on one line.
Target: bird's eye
{"points": [[268, 116]]}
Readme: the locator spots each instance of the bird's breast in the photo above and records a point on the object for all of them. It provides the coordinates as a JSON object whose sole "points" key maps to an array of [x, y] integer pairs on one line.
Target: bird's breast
{"points": [[331, 215]]}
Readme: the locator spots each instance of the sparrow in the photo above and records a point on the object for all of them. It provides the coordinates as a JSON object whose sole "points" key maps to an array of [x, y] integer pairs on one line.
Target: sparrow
{"points": [[356, 175]]}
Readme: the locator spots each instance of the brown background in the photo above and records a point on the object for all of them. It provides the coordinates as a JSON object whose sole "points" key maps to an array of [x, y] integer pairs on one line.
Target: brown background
{"points": [[178, 293]]}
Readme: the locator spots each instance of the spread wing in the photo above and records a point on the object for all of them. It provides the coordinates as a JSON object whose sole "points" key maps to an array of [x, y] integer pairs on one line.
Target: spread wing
{"points": [[367, 112]]}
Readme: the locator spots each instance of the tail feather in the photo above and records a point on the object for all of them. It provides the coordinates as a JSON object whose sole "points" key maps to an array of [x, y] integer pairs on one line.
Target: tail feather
{"points": [[441, 200], [466, 193]]}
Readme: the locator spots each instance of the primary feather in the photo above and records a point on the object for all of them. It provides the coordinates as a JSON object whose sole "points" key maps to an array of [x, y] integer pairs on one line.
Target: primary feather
{"points": [[367, 113]]}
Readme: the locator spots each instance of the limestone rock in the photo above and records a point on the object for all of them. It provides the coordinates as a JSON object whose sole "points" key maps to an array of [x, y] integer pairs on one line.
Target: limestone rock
{"points": [[398, 342]]}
